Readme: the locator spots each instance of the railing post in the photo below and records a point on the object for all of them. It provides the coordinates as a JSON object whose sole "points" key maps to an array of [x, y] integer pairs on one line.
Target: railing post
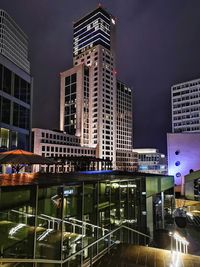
{"points": [[91, 256], [109, 242], [121, 235]]}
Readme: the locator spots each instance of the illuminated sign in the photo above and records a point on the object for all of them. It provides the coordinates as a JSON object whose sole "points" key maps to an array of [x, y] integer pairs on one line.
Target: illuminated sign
{"points": [[68, 192]]}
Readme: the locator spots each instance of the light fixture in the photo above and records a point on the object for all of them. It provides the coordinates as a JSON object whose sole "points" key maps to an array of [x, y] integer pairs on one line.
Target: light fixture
{"points": [[113, 21]]}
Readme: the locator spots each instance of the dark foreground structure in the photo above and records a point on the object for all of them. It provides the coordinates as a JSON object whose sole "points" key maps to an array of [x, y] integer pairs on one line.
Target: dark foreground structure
{"points": [[45, 219]]}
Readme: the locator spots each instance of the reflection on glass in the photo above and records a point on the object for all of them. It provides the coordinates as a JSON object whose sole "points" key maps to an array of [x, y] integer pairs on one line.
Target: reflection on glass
{"points": [[17, 217], [54, 222], [48, 231]]}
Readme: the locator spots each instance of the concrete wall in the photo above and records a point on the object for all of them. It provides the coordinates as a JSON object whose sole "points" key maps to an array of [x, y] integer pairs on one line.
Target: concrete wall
{"points": [[183, 151]]}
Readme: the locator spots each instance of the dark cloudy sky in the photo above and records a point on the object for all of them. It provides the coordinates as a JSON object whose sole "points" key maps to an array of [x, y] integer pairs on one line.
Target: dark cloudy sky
{"points": [[158, 44]]}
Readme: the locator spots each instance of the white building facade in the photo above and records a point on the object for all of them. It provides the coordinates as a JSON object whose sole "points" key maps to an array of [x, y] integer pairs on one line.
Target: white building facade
{"points": [[92, 106], [55, 144], [186, 106]]}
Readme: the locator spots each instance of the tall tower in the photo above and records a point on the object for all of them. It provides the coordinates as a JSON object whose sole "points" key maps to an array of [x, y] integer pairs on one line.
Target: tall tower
{"points": [[88, 91], [15, 86]]}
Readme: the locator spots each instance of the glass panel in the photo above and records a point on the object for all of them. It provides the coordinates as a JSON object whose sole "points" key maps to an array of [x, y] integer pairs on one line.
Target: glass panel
{"points": [[23, 91], [13, 140], [104, 213], [50, 203], [17, 87], [28, 93], [91, 229], [21, 116], [7, 80], [17, 220], [5, 106], [16, 114], [73, 78], [4, 139], [23, 141], [115, 204], [1, 76], [104, 204], [73, 230]]}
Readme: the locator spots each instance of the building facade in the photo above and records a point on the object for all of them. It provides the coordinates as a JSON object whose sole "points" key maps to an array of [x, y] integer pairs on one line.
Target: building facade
{"points": [[192, 186], [93, 106], [183, 156], [15, 86], [58, 145], [126, 158], [186, 106], [66, 152], [46, 218], [150, 160]]}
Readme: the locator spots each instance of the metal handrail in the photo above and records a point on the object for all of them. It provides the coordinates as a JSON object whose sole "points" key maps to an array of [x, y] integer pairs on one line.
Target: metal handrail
{"points": [[133, 230], [103, 237], [86, 223]]}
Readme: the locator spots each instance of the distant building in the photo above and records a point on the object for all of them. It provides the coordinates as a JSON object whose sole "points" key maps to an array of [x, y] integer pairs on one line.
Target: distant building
{"points": [[126, 158], [183, 151], [186, 106], [150, 160], [94, 106], [15, 86], [66, 150], [192, 186]]}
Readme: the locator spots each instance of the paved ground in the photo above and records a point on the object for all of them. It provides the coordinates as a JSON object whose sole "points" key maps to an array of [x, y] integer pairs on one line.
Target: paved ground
{"points": [[139, 256]]}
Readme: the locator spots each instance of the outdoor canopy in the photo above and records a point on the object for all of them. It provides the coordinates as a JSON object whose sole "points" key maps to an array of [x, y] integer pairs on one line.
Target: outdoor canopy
{"points": [[23, 157]]}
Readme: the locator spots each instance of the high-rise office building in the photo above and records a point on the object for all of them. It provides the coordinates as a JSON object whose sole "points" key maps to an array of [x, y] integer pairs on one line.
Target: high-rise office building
{"points": [[91, 103], [186, 106], [126, 158], [15, 86], [14, 42]]}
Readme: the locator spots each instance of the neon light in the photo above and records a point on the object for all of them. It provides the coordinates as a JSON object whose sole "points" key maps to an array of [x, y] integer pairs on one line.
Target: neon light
{"points": [[96, 172], [90, 18]]}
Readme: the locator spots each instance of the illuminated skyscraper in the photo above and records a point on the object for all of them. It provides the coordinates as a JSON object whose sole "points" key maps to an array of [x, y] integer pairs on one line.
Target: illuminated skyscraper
{"points": [[88, 103]]}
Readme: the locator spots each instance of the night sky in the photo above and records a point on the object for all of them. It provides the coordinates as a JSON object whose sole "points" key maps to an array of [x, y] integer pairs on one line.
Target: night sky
{"points": [[158, 45]]}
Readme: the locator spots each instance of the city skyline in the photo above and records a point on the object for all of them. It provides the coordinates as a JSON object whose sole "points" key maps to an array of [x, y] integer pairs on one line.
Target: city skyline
{"points": [[168, 50]]}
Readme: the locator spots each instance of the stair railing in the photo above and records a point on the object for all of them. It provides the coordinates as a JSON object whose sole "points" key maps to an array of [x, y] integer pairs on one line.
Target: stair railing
{"points": [[95, 250], [89, 254]]}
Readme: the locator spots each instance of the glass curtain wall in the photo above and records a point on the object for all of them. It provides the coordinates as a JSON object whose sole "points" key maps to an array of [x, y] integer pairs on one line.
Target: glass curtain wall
{"points": [[48, 224], [17, 221], [52, 222]]}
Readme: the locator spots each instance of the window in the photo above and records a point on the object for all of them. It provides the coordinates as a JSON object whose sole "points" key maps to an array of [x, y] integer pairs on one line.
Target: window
{"points": [[5, 110], [7, 76]]}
